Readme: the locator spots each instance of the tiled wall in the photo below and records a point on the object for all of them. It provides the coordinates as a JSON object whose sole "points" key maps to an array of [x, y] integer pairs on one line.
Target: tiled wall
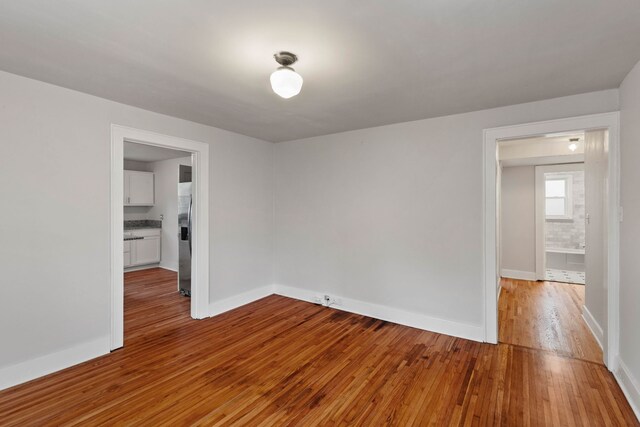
{"points": [[569, 234]]}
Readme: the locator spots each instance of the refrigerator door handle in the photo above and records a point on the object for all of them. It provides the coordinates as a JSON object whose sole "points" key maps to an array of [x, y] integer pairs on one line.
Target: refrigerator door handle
{"points": [[189, 220]]}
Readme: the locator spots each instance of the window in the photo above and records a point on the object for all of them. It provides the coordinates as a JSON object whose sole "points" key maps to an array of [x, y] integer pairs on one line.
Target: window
{"points": [[558, 203]]}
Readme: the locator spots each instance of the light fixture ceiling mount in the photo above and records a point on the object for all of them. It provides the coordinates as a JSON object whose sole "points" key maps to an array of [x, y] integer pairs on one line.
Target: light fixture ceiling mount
{"points": [[285, 81], [574, 143], [285, 58]]}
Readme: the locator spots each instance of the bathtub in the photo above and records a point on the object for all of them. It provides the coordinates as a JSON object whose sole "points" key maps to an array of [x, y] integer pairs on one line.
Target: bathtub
{"points": [[565, 259]]}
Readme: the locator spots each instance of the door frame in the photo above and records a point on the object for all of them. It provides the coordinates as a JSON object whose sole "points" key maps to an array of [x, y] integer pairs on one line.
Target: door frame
{"points": [[491, 278], [200, 259], [541, 221]]}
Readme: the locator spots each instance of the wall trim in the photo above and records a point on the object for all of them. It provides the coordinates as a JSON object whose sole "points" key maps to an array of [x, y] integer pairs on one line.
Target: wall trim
{"points": [[629, 385], [239, 300], [200, 261], [142, 267], [518, 274], [609, 121], [44, 365], [390, 314], [47, 364], [593, 325]]}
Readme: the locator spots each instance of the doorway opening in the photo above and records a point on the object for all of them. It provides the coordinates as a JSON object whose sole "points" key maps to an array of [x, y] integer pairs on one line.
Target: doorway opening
{"points": [[549, 209], [157, 235], [542, 241], [146, 199], [561, 223]]}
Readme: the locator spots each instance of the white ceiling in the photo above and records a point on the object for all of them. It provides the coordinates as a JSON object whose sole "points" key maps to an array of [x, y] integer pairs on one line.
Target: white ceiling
{"points": [[563, 139], [149, 153], [364, 63], [543, 150]]}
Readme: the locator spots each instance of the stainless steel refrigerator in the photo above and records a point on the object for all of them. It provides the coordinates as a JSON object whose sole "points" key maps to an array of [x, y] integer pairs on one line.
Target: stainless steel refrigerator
{"points": [[185, 205]]}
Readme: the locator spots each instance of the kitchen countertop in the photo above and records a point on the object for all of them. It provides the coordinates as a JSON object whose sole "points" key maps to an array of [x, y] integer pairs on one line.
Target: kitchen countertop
{"points": [[141, 223]]}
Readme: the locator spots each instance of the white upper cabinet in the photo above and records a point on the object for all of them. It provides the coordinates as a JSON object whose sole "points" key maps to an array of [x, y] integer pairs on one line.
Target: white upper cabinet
{"points": [[138, 188]]}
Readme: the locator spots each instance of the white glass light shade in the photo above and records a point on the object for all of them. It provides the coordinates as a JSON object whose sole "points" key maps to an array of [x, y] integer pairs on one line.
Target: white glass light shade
{"points": [[573, 146], [286, 82]]}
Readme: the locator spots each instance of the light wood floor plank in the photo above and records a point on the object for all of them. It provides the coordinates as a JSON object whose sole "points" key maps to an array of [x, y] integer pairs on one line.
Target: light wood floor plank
{"points": [[546, 316]]}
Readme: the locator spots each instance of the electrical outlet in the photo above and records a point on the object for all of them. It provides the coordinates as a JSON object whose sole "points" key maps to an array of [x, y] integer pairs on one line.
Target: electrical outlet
{"points": [[326, 300]]}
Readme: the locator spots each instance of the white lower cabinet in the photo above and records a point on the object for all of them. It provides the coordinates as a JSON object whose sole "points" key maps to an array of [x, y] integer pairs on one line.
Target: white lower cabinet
{"points": [[127, 253], [127, 259], [145, 249]]}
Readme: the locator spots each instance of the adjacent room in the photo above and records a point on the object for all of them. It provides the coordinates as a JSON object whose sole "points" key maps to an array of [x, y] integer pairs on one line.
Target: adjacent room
{"points": [[545, 293], [320, 213], [565, 224], [157, 208]]}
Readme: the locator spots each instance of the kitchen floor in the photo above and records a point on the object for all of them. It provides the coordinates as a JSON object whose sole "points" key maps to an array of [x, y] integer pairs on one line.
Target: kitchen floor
{"points": [[151, 299]]}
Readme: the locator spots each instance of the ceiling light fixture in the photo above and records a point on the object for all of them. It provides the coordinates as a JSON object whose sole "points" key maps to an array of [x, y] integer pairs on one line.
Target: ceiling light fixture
{"points": [[285, 81], [574, 144]]}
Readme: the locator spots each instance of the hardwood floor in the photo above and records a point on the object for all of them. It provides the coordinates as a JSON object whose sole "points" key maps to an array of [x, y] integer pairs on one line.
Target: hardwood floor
{"points": [[280, 361], [546, 316]]}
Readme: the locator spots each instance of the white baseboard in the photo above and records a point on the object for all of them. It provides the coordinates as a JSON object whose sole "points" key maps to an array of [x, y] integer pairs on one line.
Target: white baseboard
{"points": [[390, 314], [593, 325], [141, 267], [31, 369], [519, 275], [629, 385], [166, 267], [239, 300]]}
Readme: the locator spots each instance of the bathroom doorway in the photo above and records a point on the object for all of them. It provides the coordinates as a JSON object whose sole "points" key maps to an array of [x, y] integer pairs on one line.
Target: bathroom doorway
{"points": [[560, 222]]}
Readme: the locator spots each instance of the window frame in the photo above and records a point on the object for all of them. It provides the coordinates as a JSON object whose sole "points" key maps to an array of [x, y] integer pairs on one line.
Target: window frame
{"points": [[568, 197]]}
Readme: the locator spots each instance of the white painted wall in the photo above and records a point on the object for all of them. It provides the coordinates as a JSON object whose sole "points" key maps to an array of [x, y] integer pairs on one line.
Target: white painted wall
{"points": [[518, 228], [393, 215], [54, 176], [136, 212], [596, 171], [166, 179], [135, 165], [630, 231]]}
